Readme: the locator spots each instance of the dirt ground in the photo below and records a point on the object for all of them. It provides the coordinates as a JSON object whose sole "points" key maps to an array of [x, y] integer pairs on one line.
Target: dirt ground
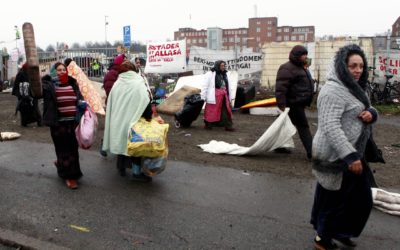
{"points": [[183, 144]]}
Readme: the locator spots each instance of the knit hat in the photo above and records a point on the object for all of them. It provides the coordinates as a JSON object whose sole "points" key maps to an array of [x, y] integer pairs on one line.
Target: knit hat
{"points": [[119, 59]]}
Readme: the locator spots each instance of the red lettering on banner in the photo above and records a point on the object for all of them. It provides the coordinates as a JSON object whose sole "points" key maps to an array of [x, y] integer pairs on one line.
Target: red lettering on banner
{"points": [[168, 53]]}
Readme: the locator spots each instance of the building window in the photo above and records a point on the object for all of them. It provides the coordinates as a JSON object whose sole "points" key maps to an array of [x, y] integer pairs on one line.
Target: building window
{"points": [[182, 34], [194, 41], [258, 29], [286, 30], [269, 34], [293, 38], [258, 39], [286, 38], [188, 41], [279, 38], [269, 22], [200, 40], [258, 22], [269, 28], [224, 39], [231, 39], [301, 37], [279, 30]]}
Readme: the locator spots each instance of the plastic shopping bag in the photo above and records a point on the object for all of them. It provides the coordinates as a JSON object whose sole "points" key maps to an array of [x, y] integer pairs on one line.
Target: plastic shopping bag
{"points": [[148, 139], [85, 132], [153, 166]]}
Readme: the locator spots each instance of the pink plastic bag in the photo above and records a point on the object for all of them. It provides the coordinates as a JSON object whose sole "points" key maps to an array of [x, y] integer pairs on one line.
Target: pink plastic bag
{"points": [[85, 132]]}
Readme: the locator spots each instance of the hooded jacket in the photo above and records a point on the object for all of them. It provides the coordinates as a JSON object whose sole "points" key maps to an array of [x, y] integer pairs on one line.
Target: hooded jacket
{"points": [[294, 84]]}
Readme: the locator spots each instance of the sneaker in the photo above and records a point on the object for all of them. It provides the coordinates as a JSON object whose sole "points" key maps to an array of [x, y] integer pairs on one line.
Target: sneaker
{"points": [[346, 241], [141, 178], [282, 151], [71, 183], [324, 244]]}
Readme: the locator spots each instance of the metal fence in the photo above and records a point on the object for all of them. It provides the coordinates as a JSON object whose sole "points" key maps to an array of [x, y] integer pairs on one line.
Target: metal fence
{"points": [[94, 62], [322, 53]]}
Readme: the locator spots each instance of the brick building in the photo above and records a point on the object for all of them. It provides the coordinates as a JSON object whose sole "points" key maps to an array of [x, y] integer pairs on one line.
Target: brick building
{"points": [[259, 31], [396, 27]]}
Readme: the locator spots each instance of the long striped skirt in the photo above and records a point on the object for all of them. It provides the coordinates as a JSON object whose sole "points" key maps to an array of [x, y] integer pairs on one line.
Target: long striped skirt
{"points": [[66, 148]]}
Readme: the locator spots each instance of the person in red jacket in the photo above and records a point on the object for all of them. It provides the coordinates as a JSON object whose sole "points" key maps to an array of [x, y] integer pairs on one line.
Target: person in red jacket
{"points": [[112, 74]]}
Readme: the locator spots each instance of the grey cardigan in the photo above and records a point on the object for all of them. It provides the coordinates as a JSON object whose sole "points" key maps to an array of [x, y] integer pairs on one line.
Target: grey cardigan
{"points": [[338, 128]]}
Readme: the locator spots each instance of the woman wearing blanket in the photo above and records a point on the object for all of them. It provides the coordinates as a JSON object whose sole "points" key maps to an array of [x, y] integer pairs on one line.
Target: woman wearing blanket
{"points": [[127, 102]]}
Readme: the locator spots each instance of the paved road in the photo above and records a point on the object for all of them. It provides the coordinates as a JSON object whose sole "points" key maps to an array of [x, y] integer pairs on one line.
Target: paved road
{"points": [[186, 207]]}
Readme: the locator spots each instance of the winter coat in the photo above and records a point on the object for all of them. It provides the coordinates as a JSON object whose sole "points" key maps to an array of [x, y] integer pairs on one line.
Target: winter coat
{"points": [[294, 84], [50, 110], [110, 78], [208, 90]]}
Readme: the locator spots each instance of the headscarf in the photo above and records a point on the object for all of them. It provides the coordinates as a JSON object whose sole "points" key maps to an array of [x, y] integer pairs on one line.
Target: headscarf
{"points": [[119, 59], [356, 88], [216, 67]]}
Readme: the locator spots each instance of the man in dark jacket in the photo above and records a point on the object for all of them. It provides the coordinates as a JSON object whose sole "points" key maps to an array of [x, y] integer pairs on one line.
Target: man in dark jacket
{"points": [[294, 89]]}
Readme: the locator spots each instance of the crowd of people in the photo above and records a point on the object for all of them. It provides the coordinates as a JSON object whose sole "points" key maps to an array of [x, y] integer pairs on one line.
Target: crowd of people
{"points": [[342, 200]]}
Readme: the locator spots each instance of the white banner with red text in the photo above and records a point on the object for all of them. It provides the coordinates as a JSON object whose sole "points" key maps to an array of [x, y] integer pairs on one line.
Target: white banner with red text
{"points": [[166, 57]]}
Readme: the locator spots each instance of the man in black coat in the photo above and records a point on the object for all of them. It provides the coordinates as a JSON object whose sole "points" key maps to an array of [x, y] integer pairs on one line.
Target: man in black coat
{"points": [[294, 89]]}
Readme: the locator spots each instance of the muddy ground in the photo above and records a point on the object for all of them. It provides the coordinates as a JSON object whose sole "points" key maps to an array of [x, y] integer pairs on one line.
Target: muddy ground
{"points": [[183, 143]]}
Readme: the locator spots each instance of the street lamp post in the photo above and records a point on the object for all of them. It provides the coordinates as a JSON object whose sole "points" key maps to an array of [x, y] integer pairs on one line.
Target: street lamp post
{"points": [[105, 29]]}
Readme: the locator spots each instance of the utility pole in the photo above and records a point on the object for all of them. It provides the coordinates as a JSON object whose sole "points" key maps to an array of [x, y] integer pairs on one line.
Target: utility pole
{"points": [[387, 52], [17, 37]]}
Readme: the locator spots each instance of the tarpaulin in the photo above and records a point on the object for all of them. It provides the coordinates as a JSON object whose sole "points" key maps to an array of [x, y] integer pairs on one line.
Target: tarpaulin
{"points": [[278, 135]]}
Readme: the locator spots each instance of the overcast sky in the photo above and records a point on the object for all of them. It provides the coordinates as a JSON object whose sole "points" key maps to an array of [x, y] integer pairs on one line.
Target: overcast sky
{"points": [[156, 20]]}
